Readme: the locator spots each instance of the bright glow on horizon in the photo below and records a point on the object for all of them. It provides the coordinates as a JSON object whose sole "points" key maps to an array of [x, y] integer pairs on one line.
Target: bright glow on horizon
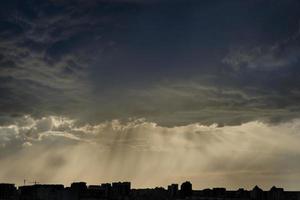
{"points": [[55, 149]]}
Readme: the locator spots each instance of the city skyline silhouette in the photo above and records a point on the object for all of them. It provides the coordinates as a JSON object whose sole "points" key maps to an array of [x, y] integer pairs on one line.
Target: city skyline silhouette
{"points": [[151, 93]]}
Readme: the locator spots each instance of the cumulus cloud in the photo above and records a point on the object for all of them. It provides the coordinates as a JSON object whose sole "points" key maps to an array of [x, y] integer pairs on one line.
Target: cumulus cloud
{"points": [[50, 148]]}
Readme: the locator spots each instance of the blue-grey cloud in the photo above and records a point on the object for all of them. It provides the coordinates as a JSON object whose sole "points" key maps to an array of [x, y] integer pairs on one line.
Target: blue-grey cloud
{"points": [[282, 53], [174, 64]]}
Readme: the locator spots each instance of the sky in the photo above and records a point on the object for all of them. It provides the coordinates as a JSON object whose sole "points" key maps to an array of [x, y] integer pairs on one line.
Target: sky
{"points": [[150, 91]]}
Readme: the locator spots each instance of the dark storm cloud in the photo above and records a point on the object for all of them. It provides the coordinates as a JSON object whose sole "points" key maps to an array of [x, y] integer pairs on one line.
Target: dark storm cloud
{"points": [[171, 62], [179, 86], [44, 50], [283, 53]]}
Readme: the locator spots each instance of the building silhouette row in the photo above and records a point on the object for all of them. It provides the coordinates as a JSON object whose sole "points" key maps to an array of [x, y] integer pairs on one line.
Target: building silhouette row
{"points": [[123, 191]]}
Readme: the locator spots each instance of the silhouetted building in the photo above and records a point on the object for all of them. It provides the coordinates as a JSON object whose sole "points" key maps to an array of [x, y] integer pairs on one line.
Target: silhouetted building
{"points": [[78, 186], [256, 193], [77, 190], [157, 193], [291, 195], [8, 191], [106, 188], [276, 193], [41, 192], [206, 192], [121, 189], [242, 194], [219, 192], [173, 190], [186, 189]]}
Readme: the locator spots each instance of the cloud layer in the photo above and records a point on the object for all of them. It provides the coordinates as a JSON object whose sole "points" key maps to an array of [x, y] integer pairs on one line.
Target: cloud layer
{"points": [[102, 60], [282, 53], [199, 93], [57, 149]]}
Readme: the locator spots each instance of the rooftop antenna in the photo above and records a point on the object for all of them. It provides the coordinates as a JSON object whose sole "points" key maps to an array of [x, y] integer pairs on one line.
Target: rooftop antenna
{"points": [[35, 182]]}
